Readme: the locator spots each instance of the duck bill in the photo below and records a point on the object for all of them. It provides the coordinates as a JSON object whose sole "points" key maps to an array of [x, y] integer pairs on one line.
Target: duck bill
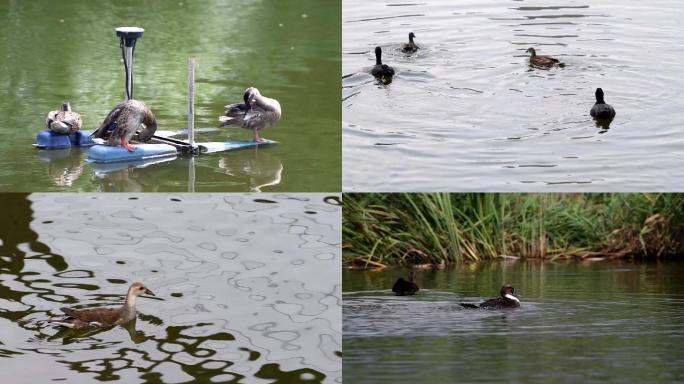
{"points": [[148, 292]]}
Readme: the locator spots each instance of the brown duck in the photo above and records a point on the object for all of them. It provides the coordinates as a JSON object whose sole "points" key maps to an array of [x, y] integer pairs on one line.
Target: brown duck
{"points": [[124, 121], [63, 121], [541, 61], [256, 113], [105, 317]]}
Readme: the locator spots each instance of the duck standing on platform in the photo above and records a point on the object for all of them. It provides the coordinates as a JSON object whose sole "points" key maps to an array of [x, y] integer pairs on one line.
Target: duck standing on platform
{"points": [[124, 121], [104, 317], [63, 121], [256, 113]]}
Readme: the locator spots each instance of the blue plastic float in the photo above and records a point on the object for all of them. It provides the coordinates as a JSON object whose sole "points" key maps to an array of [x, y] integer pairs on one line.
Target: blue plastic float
{"points": [[222, 146], [105, 154], [51, 140]]}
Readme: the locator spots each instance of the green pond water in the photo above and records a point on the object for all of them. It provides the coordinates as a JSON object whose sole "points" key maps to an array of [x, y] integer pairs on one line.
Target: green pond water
{"points": [[606, 322], [247, 287], [67, 50]]}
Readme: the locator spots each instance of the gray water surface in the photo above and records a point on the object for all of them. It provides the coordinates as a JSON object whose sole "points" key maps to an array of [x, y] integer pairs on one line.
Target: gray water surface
{"points": [[598, 323], [467, 113], [249, 285]]}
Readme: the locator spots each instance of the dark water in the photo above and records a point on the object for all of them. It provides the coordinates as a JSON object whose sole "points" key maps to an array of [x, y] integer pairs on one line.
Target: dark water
{"points": [[594, 323], [467, 113], [67, 50], [250, 287]]}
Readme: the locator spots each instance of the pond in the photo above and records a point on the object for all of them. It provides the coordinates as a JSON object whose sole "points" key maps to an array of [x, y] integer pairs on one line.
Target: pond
{"points": [[467, 113], [248, 288], [67, 50], [599, 322]]}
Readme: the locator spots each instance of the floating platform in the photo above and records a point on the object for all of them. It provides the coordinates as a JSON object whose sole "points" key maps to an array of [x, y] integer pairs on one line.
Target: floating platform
{"points": [[223, 146], [104, 154], [51, 140]]}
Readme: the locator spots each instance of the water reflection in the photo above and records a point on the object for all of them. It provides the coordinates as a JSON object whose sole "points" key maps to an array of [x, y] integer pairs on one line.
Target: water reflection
{"points": [[250, 285], [254, 167], [64, 165]]}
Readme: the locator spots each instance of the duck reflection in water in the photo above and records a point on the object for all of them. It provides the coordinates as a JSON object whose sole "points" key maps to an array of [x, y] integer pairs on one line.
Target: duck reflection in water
{"points": [[254, 166]]}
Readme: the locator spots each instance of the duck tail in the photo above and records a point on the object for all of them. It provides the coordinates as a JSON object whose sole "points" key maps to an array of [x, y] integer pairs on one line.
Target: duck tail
{"points": [[469, 306]]}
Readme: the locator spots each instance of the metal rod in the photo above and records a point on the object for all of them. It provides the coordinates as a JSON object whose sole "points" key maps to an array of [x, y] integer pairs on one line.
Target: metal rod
{"points": [[191, 101], [129, 78]]}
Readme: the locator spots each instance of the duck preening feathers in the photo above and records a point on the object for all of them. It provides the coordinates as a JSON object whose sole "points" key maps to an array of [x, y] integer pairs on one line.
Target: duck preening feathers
{"points": [[63, 121], [405, 287], [255, 113], [127, 118], [104, 317], [507, 300]]}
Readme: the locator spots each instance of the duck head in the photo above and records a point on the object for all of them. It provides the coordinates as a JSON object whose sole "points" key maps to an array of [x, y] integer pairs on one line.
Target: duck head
{"points": [[148, 127], [531, 51], [411, 37], [378, 56], [137, 289], [507, 292], [411, 276], [599, 96], [250, 96], [66, 107]]}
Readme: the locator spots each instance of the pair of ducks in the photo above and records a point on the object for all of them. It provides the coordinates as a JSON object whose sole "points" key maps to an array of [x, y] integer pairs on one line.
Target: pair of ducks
{"points": [[507, 300], [381, 70], [133, 116]]}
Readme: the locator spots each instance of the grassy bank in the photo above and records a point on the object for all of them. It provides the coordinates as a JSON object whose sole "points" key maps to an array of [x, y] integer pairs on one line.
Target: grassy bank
{"points": [[405, 229]]}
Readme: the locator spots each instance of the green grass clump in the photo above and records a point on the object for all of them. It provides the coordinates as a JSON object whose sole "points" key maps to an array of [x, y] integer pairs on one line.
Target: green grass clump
{"points": [[442, 228]]}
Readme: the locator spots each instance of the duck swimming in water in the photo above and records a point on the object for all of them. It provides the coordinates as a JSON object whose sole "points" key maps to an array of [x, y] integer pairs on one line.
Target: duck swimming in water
{"points": [[410, 47], [104, 317], [403, 287], [507, 300], [381, 70], [541, 61], [121, 124], [63, 121], [601, 110], [255, 113]]}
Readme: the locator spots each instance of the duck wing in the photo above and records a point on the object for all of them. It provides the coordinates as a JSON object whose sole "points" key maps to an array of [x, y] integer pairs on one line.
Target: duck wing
{"points": [[72, 119], [93, 316], [106, 128], [234, 115]]}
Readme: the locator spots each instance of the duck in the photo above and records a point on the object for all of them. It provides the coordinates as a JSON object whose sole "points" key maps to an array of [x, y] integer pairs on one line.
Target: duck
{"points": [[124, 121], [410, 47], [601, 110], [63, 121], [255, 113], [507, 300], [405, 287], [542, 61], [104, 317], [381, 70]]}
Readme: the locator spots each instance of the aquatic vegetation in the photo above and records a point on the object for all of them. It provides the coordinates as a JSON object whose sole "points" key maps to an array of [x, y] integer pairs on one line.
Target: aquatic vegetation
{"points": [[409, 229]]}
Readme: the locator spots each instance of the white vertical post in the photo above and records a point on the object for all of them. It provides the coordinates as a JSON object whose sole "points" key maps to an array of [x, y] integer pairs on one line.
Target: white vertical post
{"points": [[191, 102], [129, 78]]}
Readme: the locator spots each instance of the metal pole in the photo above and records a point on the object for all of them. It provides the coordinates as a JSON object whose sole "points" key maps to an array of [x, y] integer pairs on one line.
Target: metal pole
{"points": [[191, 102], [129, 78]]}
